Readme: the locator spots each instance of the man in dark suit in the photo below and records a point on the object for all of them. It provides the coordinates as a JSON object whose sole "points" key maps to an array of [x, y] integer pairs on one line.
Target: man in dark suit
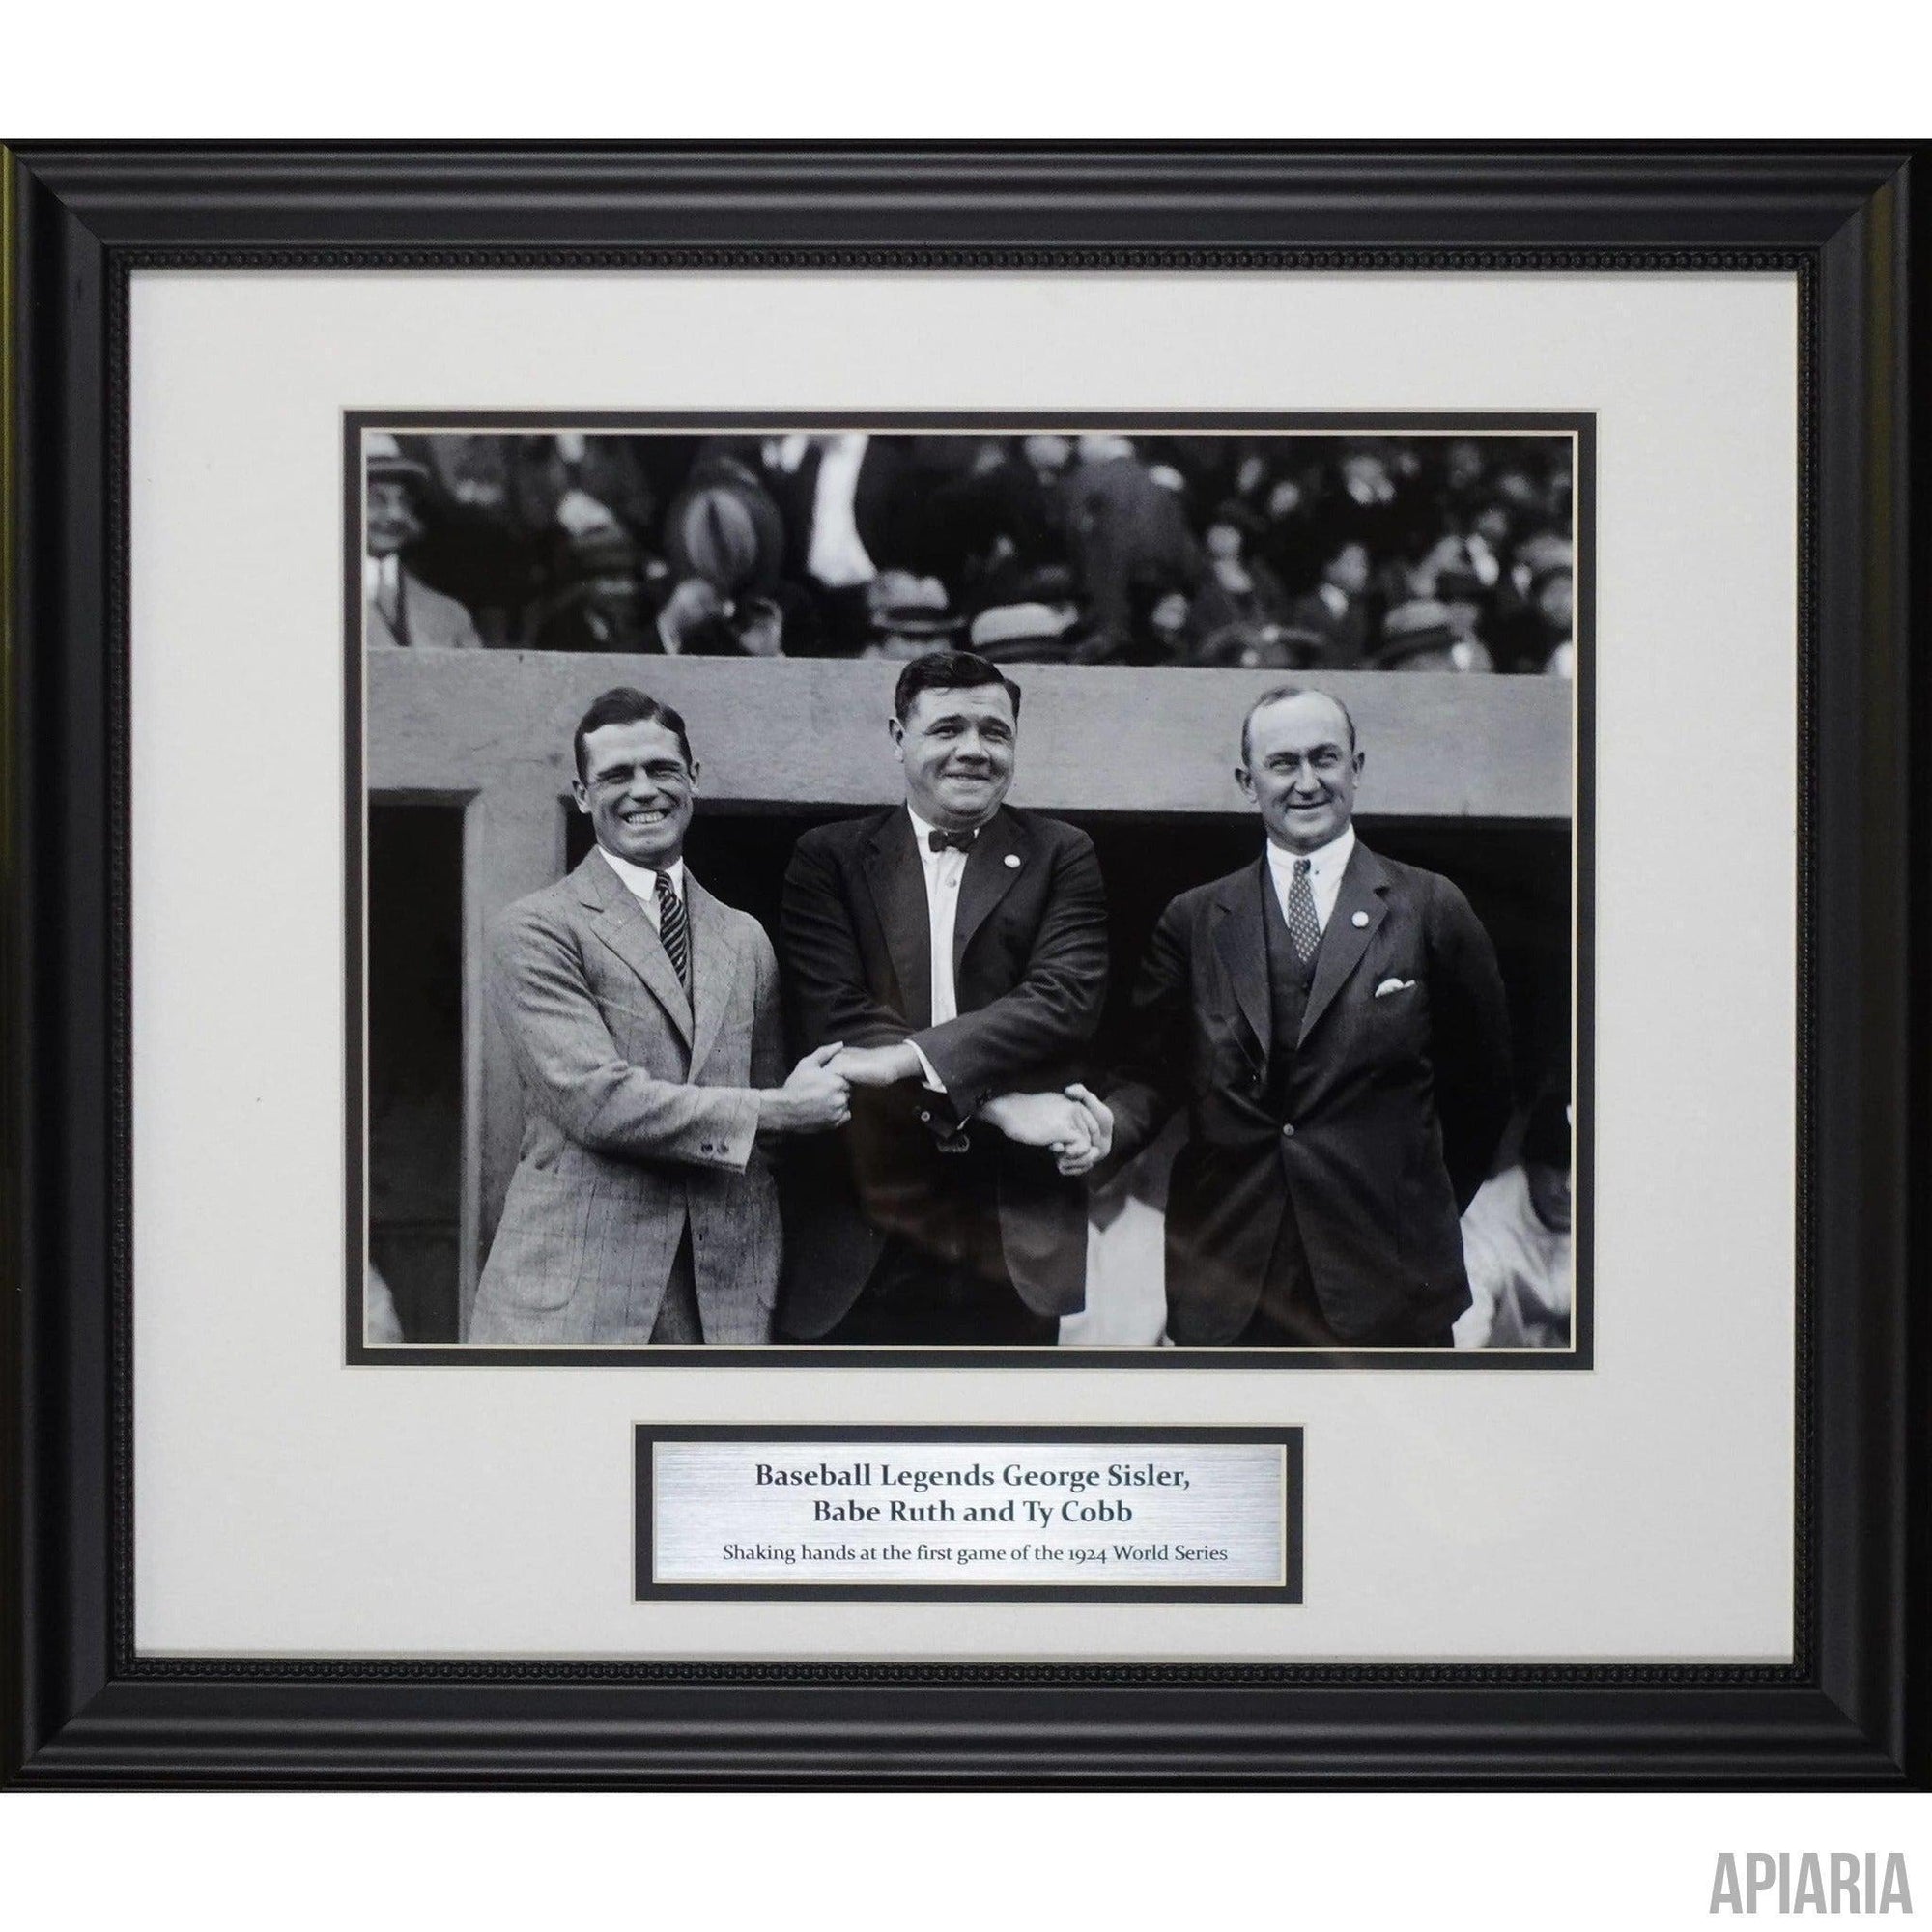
{"points": [[959, 949], [1334, 1024]]}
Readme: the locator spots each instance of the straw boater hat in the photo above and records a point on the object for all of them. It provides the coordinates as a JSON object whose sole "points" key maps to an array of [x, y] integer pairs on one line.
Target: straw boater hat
{"points": [[1546, 554], [1024, 633], [383, 456], [1419, 628]]}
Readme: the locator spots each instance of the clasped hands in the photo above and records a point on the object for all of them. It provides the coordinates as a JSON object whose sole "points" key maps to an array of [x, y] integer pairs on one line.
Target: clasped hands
{"points": [[1075, 1124], [814, 1098], [817, 1096]]}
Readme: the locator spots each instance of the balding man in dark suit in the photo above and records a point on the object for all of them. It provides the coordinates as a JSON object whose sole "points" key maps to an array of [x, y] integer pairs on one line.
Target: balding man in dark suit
{"points": [[1333, 1023]]}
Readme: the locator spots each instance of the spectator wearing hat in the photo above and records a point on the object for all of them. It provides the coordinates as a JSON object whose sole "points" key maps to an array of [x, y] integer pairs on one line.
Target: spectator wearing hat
{"points": [[1546, 568], [1026, 633], [599, 606], [1422, 634], [726, 527], [478, 544], [724, 549], [399, 609], [909, 617]]}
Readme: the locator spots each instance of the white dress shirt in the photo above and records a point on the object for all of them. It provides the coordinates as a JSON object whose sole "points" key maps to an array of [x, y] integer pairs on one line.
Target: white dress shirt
{"points": [[382, 581], [943, 871], [643, 883], [836, 553], [1325, 866]]}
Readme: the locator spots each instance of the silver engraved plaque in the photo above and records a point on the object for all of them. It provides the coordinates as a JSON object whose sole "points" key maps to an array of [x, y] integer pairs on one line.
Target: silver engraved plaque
{"points": [[1193, 1514]]}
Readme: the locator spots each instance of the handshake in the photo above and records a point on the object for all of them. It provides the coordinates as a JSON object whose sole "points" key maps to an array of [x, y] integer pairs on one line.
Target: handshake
{"points": [[1074, 1125], [817, 1095]]}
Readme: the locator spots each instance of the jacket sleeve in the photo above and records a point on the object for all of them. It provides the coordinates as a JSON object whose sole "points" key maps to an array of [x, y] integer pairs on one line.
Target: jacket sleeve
{"points": [[1471, 1044], [826, 972], [572, 1069], [1150, 1081], [768, 1060], [1053, 1011]]}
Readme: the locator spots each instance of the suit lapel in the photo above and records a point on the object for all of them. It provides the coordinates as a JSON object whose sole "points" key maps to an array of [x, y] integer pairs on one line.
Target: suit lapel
{"points": [[986, 880], [898, 882], [625, 927], [714, 965], [1359, 909], [1243, 943]]}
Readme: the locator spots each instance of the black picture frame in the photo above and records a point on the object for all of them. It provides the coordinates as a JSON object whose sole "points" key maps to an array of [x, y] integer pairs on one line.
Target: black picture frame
{"points": [[1851, 1708]]}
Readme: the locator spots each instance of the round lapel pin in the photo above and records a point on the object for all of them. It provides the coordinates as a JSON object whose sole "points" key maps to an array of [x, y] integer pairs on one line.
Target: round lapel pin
{"points": [[1014, 860], [1360, 919]]}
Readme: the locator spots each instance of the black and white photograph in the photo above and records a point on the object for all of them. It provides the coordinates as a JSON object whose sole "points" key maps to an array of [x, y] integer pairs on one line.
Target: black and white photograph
{"points": [[921, 885]]}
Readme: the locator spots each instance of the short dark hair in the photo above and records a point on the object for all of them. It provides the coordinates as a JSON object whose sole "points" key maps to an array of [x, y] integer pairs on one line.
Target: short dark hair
{"points": [[626, 705], [1287, 691], [948, 670]]}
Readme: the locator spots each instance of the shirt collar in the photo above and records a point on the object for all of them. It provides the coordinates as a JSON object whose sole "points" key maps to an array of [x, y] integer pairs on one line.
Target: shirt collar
{"points": [[641, 879], [1324, 862], [921, 829]]}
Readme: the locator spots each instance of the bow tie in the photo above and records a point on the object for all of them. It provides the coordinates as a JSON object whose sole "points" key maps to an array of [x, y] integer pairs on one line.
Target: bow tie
{"points": [[957, 842]]}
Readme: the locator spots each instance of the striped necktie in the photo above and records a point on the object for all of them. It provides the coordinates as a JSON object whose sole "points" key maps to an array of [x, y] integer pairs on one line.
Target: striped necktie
{"points": [[674, 930]]}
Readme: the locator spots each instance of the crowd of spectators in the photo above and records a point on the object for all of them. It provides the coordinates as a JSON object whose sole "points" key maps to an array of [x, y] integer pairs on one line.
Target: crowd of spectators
{"points": [[1318, 552]]}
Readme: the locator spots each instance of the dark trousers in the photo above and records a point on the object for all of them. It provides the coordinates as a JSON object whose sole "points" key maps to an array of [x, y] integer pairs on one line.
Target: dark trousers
{"points": [[1289, 1314], [916, 1300]]}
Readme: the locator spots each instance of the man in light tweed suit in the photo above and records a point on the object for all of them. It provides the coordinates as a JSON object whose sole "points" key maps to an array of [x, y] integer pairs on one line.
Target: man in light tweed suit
{"points": [[644, 1019]]}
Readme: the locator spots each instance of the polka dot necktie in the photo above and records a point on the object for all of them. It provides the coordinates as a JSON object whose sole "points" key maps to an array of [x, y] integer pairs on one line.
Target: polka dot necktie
{"points": [[673, 929], [1304, 927]]}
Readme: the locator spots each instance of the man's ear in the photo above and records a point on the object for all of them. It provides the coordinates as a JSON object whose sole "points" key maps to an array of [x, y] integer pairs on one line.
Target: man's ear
{"points": [[694, 768], [1245, 781], [581, 792], [897, 732]]}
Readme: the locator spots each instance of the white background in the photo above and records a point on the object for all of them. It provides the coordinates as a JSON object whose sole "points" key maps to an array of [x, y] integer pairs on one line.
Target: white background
{"points": [[1655, 69], [286, 1504]]}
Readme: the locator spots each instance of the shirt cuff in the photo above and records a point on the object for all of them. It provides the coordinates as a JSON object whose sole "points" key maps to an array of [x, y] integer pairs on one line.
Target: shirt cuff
{"points": [[932, 1080]]}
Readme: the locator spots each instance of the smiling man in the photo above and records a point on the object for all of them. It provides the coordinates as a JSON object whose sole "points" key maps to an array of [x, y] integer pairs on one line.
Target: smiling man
{"points": [[959, 949], [1333, 1023], [399, 609], [643, 1015]]}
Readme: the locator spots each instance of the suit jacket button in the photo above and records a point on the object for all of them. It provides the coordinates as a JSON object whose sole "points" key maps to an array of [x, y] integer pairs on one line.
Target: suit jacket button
{"points": [[1289, 1131], [925, 1115]]}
